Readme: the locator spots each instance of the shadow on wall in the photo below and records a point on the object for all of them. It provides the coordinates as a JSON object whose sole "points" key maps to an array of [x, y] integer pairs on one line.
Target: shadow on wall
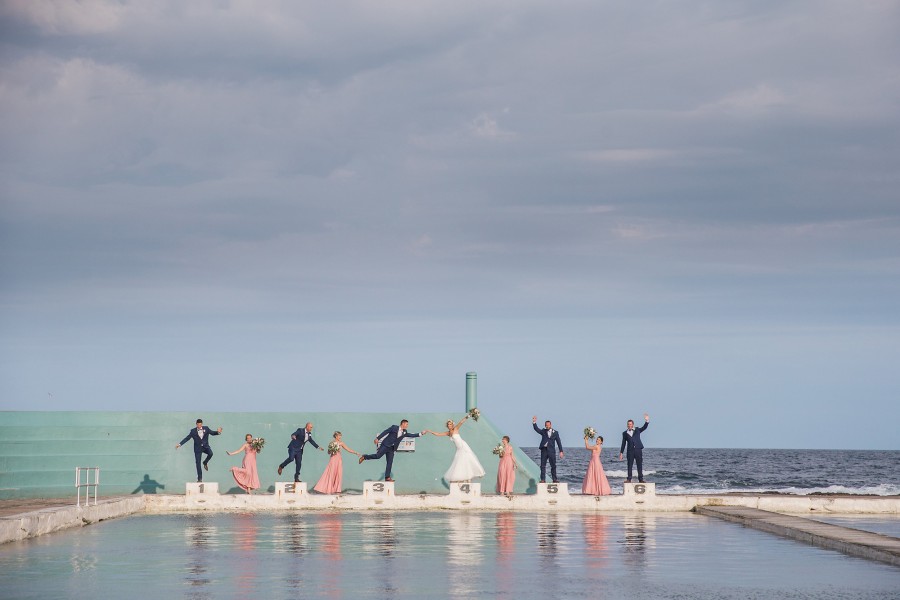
{"points": [[148, 486]]}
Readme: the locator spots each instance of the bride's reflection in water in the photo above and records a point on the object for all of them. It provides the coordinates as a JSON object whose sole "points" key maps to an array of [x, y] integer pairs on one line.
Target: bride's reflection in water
{"points": [[246, 532], [596, 546], [465, 550], [200, 536]]}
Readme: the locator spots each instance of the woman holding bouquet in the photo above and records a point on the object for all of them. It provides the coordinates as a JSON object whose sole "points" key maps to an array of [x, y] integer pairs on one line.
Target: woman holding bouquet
{"points": [[331, 479], [595, 482], [506, 471], [465, 465], [246, 475]]}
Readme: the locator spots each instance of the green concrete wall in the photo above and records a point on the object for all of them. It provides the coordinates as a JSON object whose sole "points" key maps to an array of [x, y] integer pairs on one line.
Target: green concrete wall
{"points": [[136, 451]]}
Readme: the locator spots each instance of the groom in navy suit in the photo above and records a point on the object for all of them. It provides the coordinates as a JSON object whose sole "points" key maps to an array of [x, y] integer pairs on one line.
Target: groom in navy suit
{"points": [[549, 437], [200, 434], [295, 449], [631, 439], [387, 442]]}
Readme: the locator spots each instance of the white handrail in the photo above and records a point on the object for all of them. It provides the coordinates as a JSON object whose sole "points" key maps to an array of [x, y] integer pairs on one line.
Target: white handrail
{"points": [[87, 484]]}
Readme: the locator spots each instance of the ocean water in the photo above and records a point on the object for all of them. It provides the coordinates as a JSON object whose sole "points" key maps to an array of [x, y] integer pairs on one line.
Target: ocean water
{"points": [[716, 471], [431, 555]]}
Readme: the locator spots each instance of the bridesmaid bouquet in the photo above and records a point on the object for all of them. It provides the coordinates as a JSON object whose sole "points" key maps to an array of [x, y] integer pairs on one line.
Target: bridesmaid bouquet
{"points": [[333, 448], [590, 433], [498, 450], [258, 443], [475, 413]]}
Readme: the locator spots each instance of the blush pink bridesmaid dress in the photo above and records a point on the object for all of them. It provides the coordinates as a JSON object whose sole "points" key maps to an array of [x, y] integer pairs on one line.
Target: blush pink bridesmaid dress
{"points": [[331, 479], [506, 473], [246, 475], [595, 482]]}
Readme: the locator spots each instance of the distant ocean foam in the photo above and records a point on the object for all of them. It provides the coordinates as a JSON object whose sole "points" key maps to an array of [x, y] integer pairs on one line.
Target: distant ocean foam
{"points": [[624, 474], [885, 489]]}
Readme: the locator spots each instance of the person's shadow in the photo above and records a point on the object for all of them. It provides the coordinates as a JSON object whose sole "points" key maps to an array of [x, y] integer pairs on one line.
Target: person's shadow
{"points": [[148, 486]]}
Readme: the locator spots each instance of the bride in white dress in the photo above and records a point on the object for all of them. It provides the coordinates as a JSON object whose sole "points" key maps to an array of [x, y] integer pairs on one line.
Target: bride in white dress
{"points": [[465, 465]]}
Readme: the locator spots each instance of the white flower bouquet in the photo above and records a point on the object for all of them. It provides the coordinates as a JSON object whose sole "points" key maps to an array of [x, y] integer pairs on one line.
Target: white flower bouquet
{"points": [[257, 444], [475, 413], [590, 433], [498, 450], [333, 448]]}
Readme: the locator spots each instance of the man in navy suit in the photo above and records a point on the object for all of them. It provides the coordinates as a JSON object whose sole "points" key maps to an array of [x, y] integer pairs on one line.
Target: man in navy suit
{"points": [[549, 437], [631, 439], [201, 445], [295, 449], [387, 442]]}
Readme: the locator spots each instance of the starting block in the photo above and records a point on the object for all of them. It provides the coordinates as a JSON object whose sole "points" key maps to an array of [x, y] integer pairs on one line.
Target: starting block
{"points": [[639, 491], [378, 491], [201, 488], [464, 490], [290, 489], [552, 491]]}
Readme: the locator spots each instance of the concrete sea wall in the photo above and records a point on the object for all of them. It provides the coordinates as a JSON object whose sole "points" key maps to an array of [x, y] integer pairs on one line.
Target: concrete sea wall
{"points": [[136, 450]]}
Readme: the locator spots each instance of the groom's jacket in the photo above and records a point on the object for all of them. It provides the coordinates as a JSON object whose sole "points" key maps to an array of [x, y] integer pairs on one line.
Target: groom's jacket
{"points": [[548, 439], [198, 443], [392, 436], [633, 441], [299, 439]]}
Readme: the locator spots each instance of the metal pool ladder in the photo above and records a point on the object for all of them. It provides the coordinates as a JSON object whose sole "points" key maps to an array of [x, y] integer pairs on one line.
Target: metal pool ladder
{"points": [[87, 485]]}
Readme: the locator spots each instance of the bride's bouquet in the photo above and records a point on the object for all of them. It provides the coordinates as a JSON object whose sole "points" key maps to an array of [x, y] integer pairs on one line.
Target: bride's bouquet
{"points": [[498, 450], [333, 448], [475, 413], [590, 433], [257, 444]]}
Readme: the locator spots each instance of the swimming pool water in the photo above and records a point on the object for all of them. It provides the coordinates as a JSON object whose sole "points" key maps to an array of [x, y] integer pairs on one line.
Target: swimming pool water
{"points": [[431, 554]]}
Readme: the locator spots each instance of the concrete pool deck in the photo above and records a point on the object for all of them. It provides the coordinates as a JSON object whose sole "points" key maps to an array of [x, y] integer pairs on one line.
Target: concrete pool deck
{"points": [[855, 542]]}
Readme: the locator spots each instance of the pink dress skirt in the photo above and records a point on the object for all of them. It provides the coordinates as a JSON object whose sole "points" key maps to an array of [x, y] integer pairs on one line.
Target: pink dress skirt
{"points": [[330, 481], [506, 473], [246, 475], [595, 482]]}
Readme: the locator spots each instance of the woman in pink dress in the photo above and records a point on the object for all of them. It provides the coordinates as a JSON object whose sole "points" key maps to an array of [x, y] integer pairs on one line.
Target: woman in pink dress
{"points": [[595, 482], [330, 481], [245, 475], [506, 470]]}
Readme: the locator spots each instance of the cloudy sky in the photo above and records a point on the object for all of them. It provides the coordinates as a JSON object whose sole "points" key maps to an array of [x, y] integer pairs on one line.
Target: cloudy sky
{"points": [[690, 208]]}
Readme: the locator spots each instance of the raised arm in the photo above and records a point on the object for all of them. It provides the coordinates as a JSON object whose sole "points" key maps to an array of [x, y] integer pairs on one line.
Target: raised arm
{"points": [[646, 423], [243, 447], [461, 421], [441, 434], [216, 432], [586, 445]]}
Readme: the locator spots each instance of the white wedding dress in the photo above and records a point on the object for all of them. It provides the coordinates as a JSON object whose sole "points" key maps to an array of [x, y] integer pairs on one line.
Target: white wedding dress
{"points": [[465, 465]]}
